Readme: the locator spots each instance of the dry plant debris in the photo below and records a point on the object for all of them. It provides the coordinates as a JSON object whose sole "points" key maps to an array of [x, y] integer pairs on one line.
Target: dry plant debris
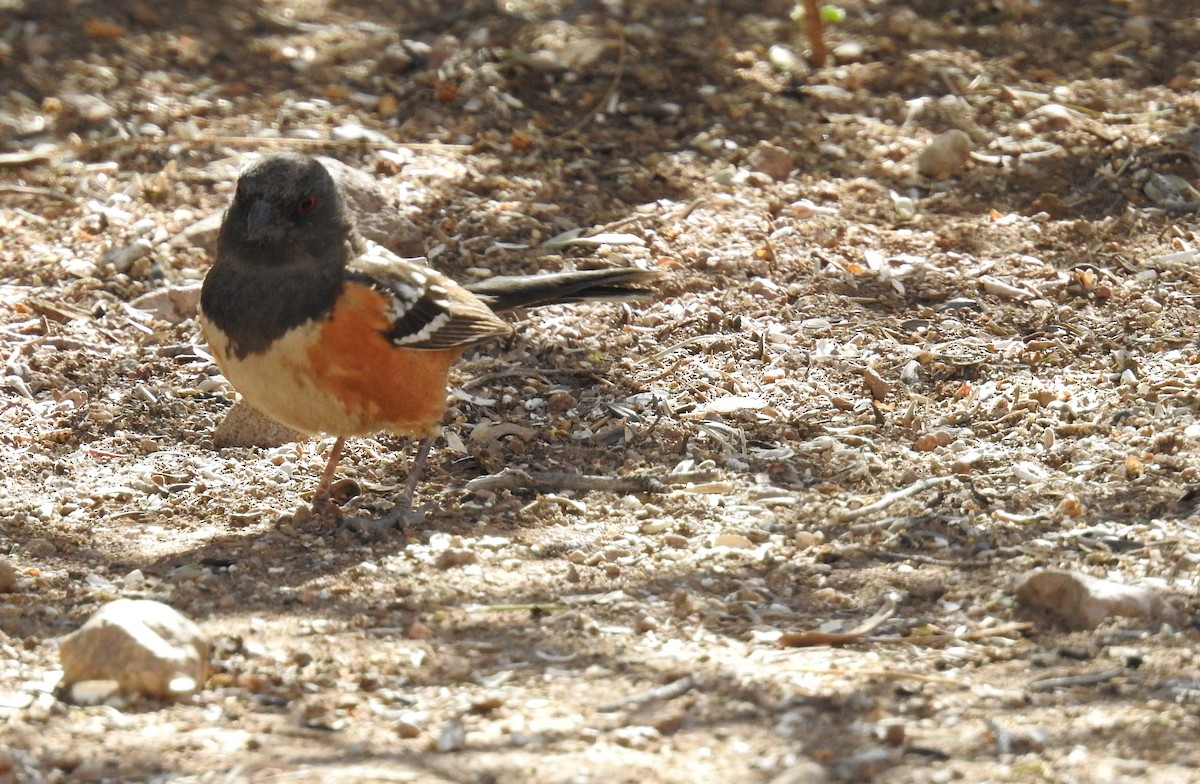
{"points": [[860, 387]]}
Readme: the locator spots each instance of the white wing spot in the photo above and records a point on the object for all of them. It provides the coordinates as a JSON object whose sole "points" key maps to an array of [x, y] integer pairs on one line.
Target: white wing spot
{"points": [[426, 331]]}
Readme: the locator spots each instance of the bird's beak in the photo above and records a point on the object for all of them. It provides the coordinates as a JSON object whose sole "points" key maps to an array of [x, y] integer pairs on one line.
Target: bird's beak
{"points": [[259, 225]]}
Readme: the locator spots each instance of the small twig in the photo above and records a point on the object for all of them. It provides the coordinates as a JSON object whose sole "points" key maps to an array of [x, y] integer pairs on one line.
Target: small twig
{"points": [[956, 563], [816, 33], [895, 675], [59, 342], [256, 142], [676, 688], [725, 435], [810, 638], [637, 217], [1004, 91], [689, 208], [532, 607], [1003, 630], [670, 368], [679, 345], [994, 631], [56, 311], [690, 477], [93, 452], [289, 141], [526, 372], [25, 157], [1087, 679], [487, 378], [845, 515], [278, 22], [550, 481], [31, 190]]}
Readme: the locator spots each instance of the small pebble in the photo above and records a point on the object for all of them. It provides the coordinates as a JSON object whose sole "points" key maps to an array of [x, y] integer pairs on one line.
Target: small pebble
{"points": [[773, 161], [732, 540], [676, 540], [785, 60], [806, 539], [40, 548], [122, 258], [452, 737], [8, 577], [655, 527], [946, 155], [849, 52], [455, 556], [645, 624], [1052, 118], [562, 401]]}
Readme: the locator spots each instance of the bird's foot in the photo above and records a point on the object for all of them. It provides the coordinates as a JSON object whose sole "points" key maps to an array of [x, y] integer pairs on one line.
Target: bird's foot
{"points": [[329, 517], [401, 517], [325, 514]]}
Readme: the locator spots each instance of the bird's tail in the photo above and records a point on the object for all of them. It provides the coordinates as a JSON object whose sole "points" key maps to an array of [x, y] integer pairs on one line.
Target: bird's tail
{"points": [[526, 291]]}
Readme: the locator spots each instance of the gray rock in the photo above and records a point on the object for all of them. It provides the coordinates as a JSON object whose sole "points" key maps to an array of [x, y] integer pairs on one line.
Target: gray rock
{"points": [[173, 304]]}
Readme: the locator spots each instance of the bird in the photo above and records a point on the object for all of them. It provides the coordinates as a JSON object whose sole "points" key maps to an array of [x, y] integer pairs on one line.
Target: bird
{"points": [[329, 333]]}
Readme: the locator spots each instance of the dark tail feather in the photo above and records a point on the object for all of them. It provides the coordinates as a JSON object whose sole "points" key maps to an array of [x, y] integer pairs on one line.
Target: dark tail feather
{"points": [[526, 291]]}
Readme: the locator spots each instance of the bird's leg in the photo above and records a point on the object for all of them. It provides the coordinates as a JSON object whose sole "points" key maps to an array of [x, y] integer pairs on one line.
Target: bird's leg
{"points": [[401, 515], [322, 505], [404, 504]]}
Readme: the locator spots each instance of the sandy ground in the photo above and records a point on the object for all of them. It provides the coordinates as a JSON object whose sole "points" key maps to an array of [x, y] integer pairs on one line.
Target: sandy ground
{"points": [[1011, 335]]}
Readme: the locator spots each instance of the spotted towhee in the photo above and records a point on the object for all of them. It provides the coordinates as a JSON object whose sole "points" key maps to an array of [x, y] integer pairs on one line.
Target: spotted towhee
{"points": [[329, 333]]}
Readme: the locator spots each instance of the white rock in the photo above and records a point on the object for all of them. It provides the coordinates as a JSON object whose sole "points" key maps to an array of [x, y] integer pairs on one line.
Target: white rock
{"points": [[351, 132], [784, 59], [147, 647], [1083, 601], [732, 540], [94, 692]]}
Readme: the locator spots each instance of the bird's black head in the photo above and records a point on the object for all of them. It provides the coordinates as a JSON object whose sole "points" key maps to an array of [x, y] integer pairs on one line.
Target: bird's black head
{"points": [[287, 211]]}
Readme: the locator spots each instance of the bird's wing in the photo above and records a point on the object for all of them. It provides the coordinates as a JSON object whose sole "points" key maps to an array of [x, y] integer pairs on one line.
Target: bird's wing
{"points": [[426, 309]]}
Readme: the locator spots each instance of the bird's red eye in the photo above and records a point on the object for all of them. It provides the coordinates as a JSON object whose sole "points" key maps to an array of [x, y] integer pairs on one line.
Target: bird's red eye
{"points": [[307, 205]]}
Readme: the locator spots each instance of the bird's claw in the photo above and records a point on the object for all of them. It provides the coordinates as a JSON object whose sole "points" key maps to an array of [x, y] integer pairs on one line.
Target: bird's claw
{"points": [[327, 516], [401, 517]]}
